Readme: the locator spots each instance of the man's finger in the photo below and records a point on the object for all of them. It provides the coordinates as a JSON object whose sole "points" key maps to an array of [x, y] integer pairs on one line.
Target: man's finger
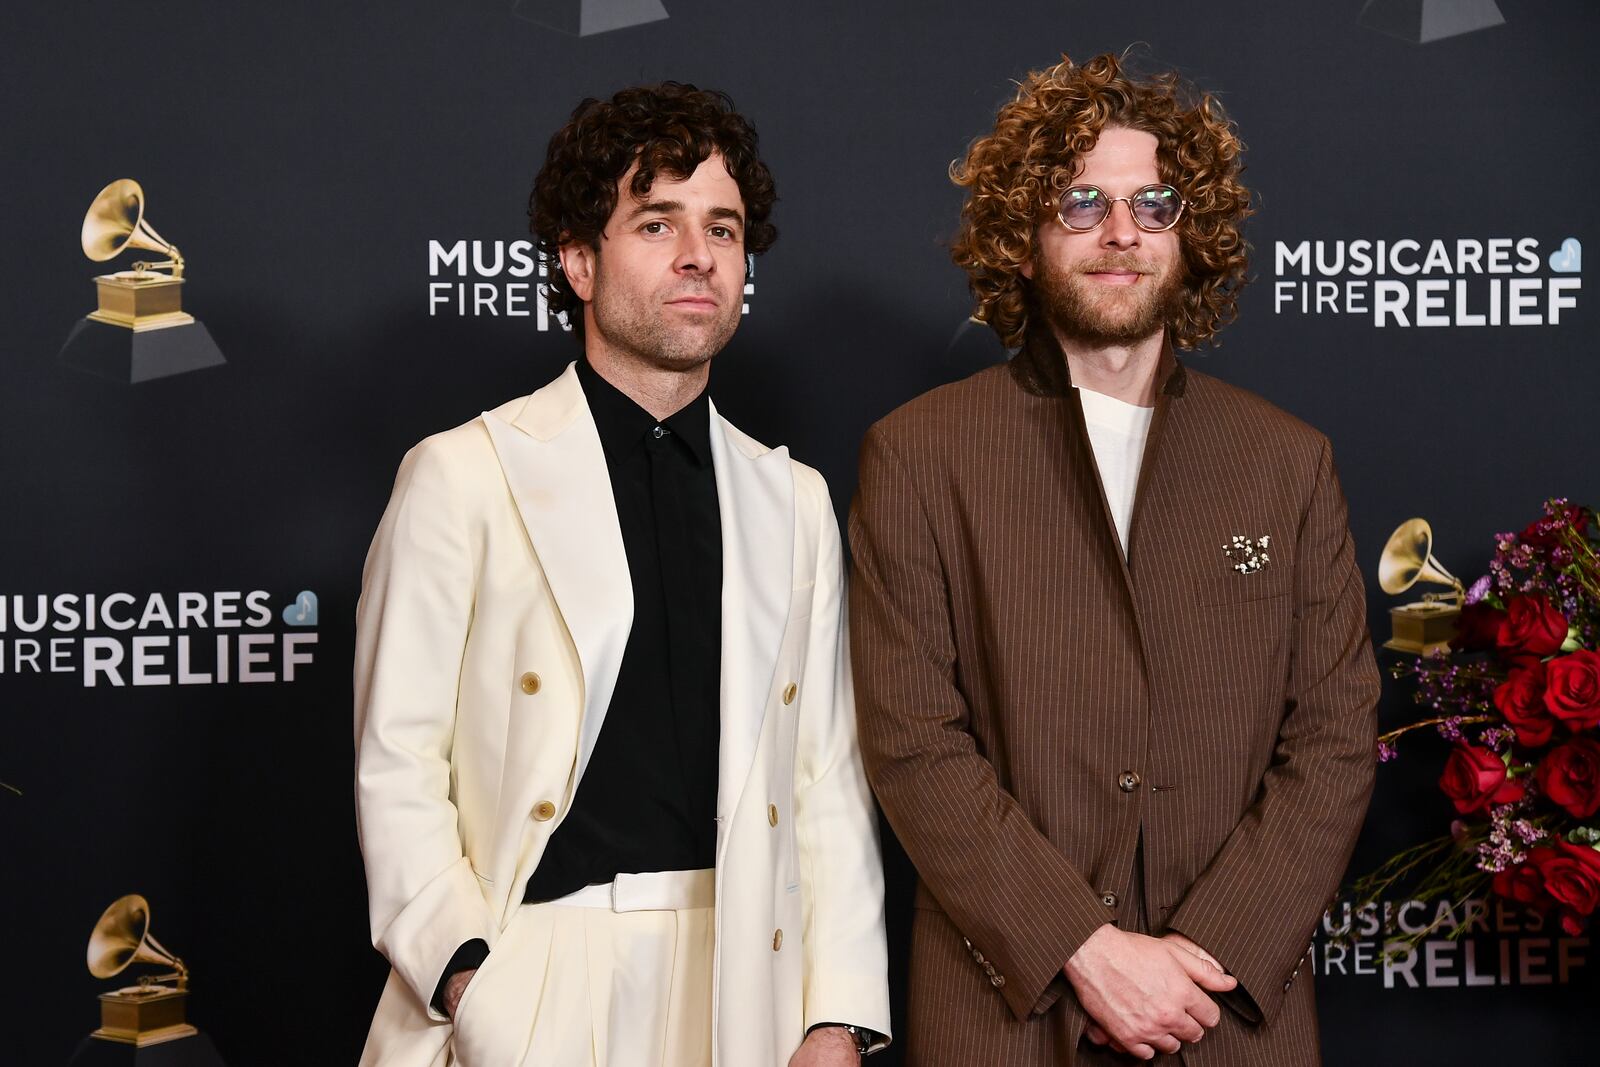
{"points": [[1204, 974], [1093, 1032]]}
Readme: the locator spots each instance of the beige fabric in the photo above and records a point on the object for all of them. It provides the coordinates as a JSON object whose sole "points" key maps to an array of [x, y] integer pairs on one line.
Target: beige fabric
{"points": [[494, 611], [582, 985]]}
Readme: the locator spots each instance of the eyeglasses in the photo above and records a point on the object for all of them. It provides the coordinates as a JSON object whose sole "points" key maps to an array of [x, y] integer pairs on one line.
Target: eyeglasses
{"points": [[1154, 208]]}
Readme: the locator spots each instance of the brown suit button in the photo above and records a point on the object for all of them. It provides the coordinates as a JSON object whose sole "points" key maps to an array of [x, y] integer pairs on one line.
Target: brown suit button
{"points": [[777, 940], [544, 811], [530, 683], [1128, 781], [1109, 899], [997, 980]]}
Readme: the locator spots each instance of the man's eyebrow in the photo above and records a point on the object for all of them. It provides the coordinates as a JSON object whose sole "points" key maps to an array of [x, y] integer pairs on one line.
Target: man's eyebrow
{"points": [[668, 207], [656, 207]]}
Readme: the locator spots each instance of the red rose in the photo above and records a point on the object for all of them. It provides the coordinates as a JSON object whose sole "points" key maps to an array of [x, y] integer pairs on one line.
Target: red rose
{"points": [[1523, 883], [1545, 532], [1474, 778], [1477, 627], [1571, 876], [1569, 775], [1573, 693], [1532, 627], [1521, 699]]}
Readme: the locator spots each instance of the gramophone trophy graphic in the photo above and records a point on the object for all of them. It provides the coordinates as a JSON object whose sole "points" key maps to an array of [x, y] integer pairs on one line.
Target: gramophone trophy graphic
{"points": [[140, 330], [141, 1024], [1427, 625]]}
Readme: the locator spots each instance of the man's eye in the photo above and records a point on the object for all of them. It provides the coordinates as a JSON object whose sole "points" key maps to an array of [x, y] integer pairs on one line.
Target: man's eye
{"points": [[722, 232], [654, 227]]}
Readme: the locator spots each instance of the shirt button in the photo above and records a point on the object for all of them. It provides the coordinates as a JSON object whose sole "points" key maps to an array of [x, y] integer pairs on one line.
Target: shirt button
{"points": [[530, 683], [772, 814], [1109, 899], [1128, 781], [544, 811], [777, 940], [658, 433], [789, 692]]}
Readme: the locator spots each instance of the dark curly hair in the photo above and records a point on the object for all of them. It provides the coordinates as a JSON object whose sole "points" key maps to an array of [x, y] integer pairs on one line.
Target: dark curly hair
{"points": [[669, 129], [1017, 173]]}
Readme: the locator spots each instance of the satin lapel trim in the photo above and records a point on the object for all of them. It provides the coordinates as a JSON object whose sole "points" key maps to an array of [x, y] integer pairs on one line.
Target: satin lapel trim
{"points": [[755, 496], [557, 473]]}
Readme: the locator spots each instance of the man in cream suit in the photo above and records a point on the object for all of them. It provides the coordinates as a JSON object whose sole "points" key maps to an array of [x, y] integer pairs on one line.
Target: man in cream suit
{"points": [[608, 790]]}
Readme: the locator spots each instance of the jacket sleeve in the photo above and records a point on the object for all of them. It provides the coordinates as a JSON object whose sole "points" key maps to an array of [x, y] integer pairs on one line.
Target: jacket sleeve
{"points": [[1013, 895], [1257, 904], [836, 825], [411, 630]]}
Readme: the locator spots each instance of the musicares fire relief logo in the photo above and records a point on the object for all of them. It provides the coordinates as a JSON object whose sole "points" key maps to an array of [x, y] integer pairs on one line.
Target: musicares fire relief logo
{"points": [[494, 279], [1465, 281], [1472, 943], [158, 639]]}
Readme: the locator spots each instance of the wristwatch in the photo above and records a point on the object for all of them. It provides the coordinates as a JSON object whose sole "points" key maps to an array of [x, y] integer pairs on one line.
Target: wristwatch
{"points": [[863, 1037]]}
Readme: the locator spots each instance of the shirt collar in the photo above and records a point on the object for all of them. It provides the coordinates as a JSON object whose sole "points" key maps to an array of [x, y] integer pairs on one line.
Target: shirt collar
{"points": [[1041, 369], [623, 424]]}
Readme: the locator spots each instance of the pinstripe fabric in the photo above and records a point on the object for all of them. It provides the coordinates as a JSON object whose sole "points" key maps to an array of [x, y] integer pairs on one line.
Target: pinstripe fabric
{"points": [[1010, 666]]}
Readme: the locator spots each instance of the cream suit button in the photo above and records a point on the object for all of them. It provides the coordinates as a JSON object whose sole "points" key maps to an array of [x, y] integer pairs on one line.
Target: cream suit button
{"points": [[789, 692], [777, 940], [544, 811], [772, 814], [530, 683]]}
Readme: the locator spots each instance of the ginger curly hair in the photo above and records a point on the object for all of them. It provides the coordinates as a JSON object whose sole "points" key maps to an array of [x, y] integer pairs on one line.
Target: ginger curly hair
{"points": [[670, 129], [1017, 173]]}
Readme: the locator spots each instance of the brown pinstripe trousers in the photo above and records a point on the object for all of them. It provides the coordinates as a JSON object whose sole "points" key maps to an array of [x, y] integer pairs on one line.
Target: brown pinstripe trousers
{"points": [[1032, 703]]}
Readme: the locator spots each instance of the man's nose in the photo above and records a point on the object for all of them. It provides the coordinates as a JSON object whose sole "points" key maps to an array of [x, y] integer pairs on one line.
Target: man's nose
{"points": [[694, 253], [1119, 231]]}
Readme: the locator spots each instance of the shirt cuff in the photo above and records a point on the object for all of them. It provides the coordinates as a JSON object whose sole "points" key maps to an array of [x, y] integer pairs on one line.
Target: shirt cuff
{"points": [[468, 957]]}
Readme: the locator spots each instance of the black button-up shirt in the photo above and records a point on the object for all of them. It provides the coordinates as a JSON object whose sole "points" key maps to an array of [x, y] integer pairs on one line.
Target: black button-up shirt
{"points": [[648, 799]]}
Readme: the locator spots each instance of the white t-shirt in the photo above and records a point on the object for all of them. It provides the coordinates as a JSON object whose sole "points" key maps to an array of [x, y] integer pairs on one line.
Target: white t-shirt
{"points": [[1117, 431]]}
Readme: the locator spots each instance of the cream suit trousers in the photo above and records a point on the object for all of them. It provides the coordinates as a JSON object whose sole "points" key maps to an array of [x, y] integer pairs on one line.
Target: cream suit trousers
{"points": [[615, 975]]}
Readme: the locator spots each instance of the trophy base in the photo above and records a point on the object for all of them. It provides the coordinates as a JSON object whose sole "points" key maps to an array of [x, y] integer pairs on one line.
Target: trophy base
{"points": [[1423, 21], [196, 1050], [1422, 629], [127, 355], [582, 18]]}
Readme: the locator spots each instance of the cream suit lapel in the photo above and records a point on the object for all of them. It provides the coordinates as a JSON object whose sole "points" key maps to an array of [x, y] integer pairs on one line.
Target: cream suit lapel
{"points": [[553, 462], [755, 495]]}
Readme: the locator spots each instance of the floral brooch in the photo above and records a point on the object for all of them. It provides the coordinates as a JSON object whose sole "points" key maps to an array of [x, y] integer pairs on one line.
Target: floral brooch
{"points": [[1248, 556]]}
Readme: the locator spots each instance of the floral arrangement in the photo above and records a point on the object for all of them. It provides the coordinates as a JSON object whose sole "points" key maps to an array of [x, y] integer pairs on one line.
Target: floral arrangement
{"points": [[1518, 697]]}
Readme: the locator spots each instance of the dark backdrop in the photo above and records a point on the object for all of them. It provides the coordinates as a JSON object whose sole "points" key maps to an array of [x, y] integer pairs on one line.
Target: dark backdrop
{"points": [[305, 155]]}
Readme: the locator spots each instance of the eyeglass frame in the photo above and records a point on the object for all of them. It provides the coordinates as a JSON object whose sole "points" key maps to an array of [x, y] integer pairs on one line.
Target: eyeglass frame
{"points": [[1111, 205]]}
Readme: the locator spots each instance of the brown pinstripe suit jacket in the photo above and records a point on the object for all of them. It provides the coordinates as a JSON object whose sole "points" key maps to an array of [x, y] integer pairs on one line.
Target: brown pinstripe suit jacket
{"points": [[1032, 707]]}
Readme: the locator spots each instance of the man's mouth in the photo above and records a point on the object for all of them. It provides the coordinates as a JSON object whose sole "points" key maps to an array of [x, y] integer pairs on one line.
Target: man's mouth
{"points": [[694, 303], [1115, 277]]}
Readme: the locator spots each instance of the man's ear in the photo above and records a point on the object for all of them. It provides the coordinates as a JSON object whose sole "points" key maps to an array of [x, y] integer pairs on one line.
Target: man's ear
{"points": [[578, 263], [1025, 268]]}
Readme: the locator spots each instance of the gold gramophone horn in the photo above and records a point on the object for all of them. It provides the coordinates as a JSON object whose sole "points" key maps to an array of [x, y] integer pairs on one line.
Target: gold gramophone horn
{"points": [[122, 938], [115, 222], [1408, 559]]}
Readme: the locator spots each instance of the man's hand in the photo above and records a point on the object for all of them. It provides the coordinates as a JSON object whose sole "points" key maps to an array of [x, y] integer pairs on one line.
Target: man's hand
{"points": [[826, 1046], [1143, 994], [454, 987], [1096, 1033]]}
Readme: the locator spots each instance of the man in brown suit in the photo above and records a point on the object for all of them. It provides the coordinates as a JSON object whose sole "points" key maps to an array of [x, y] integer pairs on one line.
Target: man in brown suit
{"points": [[1116, 694]]}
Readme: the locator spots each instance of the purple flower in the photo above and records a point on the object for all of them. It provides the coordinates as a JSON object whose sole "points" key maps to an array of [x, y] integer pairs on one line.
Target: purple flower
{"points": [[1478, 590], [1387, 752]]}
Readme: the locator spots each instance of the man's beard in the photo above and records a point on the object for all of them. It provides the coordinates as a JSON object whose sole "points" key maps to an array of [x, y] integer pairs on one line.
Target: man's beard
{"points": [[640, 328], [1099, 314]]}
